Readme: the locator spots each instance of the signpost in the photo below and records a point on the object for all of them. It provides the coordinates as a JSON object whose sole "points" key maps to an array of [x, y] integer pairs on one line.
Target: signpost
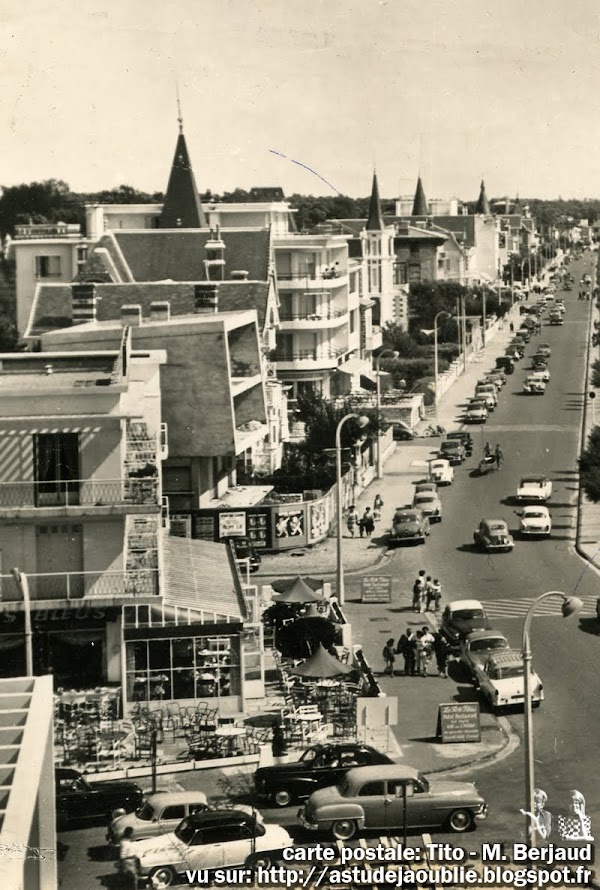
{"points": [[459, 722], [376, 589]]}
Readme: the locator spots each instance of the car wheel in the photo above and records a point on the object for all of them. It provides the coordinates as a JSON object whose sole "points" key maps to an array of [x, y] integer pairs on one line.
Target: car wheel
{"points": [[282, 798], [260, 860], [460, 821], [163, 876], [344, 829]]}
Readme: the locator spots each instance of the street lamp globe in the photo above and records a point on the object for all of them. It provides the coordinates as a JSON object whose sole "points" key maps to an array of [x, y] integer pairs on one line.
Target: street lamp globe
{"points": [[571, 605], [362, 421]]}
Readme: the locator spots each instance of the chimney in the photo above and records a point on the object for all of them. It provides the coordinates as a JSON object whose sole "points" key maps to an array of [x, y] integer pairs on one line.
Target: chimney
{"points": [[131, 315], [239, 275], [206, 297], [160, 310], [83, 302]]}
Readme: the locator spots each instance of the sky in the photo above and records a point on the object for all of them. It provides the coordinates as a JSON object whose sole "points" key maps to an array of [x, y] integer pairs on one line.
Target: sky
{"points": [[309, 95]]}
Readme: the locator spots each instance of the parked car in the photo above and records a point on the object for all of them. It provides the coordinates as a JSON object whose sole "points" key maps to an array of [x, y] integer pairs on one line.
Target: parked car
{"points": [[477, 646], [544, 349], [535, 521], [513, 353], [501, 680], [536, 489], [462, 617], [426, 486], [533, 386], [79, 801], [488, 394], [476, 412], [525, 333], [505, 363], [382, 797], [440, 471], [160, 813], [497, 377], [408, 525], [428, 502], [464, 437], [453, 451], [213, 839], [492, 535], [318, 766], [402, 433]]}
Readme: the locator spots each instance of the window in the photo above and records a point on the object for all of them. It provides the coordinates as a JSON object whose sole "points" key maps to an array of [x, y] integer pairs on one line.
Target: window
{"points": [[173, 812], [371, 789], [400, 273], [56, 468], [353, 320], [47, 267]]}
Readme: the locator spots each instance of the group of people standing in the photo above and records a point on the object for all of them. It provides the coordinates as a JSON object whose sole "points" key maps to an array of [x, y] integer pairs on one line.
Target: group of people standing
{"points": [[427, 593], [365, 523], [417, 650]]}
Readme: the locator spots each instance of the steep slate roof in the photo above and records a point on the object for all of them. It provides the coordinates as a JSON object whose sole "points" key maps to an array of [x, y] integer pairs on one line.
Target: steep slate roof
{"points": [[202, 575], [420, 203], [483, 205], [375, 220], [182, 206], [52, 307]]}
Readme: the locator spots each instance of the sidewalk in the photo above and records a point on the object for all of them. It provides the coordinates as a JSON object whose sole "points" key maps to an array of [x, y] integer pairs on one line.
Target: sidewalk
{"points": [[406, 464]]}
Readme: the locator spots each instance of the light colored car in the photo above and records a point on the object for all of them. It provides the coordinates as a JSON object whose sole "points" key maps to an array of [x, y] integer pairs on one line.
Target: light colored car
{"points": [[476, 647], [533, 386], [493, 536], [389, 797], [440, 471], [556, 317], [489, 392], [426, 486], [160, 813], [476, 413], [543, 372], [535, 520], [461, 618], [428, 502], [501, 680], [212, 839], [534, 488], [541, 376]]}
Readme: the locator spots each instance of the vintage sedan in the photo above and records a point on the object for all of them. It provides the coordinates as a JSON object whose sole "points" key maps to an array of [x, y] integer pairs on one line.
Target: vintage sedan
{"points": [[464, 437], [460, 618], [535, 521], [501, 680], [452, 450], [408, 526], [426, 486], [440, 471], [493, 536], [533, 386], [490, 400], [160, 813], [476, 412], [214, 839], [79, 801], [539, 362], [428, 502], [536, 489], [488, 392], [477, 646], [318, 767], [381, 797]]}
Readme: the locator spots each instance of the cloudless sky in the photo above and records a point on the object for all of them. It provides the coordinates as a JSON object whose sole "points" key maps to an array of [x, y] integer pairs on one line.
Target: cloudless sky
{"points": [[458, 90]]}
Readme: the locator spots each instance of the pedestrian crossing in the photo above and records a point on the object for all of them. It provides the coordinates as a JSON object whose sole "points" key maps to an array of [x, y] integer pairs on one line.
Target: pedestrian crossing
{"points": [[537, 428], [509, 608]]}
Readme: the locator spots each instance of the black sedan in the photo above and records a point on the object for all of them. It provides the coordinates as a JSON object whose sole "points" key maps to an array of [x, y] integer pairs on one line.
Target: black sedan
{"points": [[79, 801], [319, 767]]}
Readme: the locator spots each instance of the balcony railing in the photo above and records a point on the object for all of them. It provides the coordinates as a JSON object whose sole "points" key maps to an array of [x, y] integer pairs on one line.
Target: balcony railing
{"points": [[80, 493], [310, 275], [80, 585], [327, 312], [315, 355]]}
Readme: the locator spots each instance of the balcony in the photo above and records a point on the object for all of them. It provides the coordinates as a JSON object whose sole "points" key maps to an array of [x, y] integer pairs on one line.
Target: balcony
{"points": [[323, 317], [320, 357], [80, 586], [142, 491], [311, 278]]}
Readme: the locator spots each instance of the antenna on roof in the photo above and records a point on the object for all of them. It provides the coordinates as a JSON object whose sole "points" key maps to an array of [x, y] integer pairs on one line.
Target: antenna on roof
{"points": [[179, 117]]}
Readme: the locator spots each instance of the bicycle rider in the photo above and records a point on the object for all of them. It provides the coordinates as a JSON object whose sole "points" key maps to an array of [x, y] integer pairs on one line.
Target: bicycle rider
{"points": [[499, 456]]}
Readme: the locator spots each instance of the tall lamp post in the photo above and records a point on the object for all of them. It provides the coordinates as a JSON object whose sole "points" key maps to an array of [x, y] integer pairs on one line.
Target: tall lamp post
{"points": [[436, 368], [387, 353], [570, 605], [22, 583], [362, 423]]}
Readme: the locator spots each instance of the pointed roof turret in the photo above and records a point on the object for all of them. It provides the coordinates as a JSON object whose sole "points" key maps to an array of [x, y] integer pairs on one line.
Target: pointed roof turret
{"points": [[420, 202], [182, 208], [483, 205], [375, 220]]}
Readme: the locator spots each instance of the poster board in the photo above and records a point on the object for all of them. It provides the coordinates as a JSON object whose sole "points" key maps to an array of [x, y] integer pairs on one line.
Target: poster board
{"points": [[459, 722], [376, 589]]}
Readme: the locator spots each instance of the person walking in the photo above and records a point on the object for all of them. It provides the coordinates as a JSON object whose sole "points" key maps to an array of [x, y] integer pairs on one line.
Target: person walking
{"points": [[441, 650], [389, 657], [406, 648], [368, 523], [421, 655], [127, 854], [499, 456], [512, 327], [377, 505], [434, 595], [427, 594], [418, 588], [352, 520]]}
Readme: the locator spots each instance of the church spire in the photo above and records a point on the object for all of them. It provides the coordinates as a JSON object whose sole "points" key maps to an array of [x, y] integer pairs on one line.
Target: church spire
{"points": [[375, 220], [420, 202], [182, 208], [483, 205]]}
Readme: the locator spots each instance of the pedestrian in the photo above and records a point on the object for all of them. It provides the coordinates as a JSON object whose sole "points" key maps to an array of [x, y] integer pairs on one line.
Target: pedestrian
{"points": [[427, 594], [368, 523], [377, 505], [418, 588], [421, 655], [428, 639], [499, 456], [487, 450], [434, 595], [127, 856], [278, 742], [352, 520], [406, 648], [389, 657], [441, 651], [511, 327]]}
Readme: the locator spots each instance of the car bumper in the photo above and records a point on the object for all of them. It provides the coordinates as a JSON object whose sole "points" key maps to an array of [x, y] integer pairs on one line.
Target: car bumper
{"points": [[304, 822], [407, 539], [499, 548], [535, 532]]}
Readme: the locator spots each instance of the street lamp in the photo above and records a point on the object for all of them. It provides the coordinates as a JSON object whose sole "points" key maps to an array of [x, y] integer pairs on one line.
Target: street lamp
{"points": [[362, 422], [23, 586], [435, 350], [389, 353], [570, 605]]}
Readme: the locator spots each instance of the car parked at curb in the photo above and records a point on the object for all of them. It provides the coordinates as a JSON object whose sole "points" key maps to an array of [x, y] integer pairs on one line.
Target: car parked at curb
{"points": [[492, 535], [536, 489], [428, 502], [476, 647], [535, 521], [460, 618], [79, 801], [409, 525], [453, 451], [440, 471], [488, 392], [501, 680], [476, 412], [426, 486], [318, 767], [464, 437], [375, 797]]}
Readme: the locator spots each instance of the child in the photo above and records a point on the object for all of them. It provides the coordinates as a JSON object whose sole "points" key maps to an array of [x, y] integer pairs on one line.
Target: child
{"points": [[389, 657]]}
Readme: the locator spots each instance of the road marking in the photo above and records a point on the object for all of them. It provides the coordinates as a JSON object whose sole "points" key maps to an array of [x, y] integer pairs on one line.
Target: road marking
{"points": [[507, 608], [538, 428]]}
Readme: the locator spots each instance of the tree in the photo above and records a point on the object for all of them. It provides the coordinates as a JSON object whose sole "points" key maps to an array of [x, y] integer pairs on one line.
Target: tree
{"points": [[321, 417], [589, 466]]}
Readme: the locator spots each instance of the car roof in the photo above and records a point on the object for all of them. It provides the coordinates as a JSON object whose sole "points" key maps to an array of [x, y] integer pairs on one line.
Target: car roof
{"points": [[505, 656], [457, 605], [218, 816], [382, 771], [537, 507], [496, 521], [166, 798], [484, 635], [440, 460], [534, 478]]}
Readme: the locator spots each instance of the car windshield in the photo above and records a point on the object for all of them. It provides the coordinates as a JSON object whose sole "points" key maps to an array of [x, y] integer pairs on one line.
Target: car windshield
{"points": [[507, 672], [185, 832], [538, 482], [467, 614], [450, 446], [403, 518], [344, 787], [534, 514], [423, 782], [309, 755], [146, 812], [488, 643], [497, 527], [425, 500]]}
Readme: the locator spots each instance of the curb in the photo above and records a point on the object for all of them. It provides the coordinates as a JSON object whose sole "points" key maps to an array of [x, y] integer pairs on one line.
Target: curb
{"points": [[382, 557]]}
